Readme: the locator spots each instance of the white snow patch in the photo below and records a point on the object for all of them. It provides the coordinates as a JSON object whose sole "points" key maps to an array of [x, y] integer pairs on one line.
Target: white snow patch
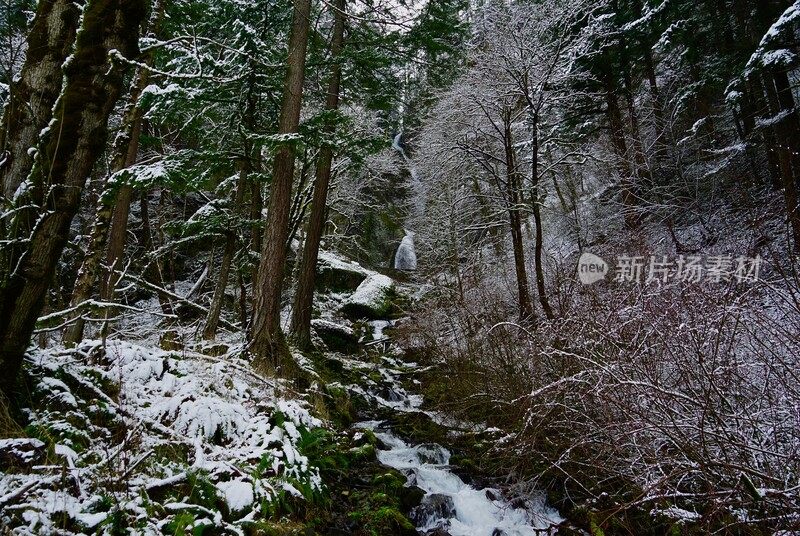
{"points": [[238, 494], [372, 290]]}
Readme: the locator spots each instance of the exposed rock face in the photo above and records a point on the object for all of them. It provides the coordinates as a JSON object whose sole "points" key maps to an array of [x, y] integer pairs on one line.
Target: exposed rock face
{"points": [[337, 278]]}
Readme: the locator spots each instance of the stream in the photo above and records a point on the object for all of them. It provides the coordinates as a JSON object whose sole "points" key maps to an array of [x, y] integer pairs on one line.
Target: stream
{"points": [[450, 506]]}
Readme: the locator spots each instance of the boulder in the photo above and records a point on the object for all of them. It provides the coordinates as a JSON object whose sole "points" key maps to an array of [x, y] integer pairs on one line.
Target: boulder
{"points": [[337, 338], [337, 275], [371, 300], [410, 497], [433, 454], [434, 507]]}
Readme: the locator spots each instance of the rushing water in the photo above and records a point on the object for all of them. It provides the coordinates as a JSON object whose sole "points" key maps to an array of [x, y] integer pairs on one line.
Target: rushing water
{"points": [[450, 505], [406, 256]]}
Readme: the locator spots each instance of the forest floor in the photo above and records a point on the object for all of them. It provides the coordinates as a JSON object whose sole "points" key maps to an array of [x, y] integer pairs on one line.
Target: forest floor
{"points": [[122, 436]]}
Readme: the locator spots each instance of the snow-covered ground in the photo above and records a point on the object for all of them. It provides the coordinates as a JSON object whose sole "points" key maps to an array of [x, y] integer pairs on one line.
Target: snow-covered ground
{"points": [[152, 440]]}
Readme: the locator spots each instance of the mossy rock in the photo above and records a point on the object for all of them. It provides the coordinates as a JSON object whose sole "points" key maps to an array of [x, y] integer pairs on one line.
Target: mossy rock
{"points": [[394, 483], [367, 438], [170, 341], [335, 279], [421, 427], [336, 338], [388, 520], [214, 349], [338, 405], [365, 452], [375, 299], [271, 528]]}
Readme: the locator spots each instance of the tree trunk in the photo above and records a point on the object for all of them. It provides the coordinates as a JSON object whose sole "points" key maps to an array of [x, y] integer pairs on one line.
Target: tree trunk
{"points": [[621, 149], [757, 92], [154, 269], [788, 129], [27, 113], [659, 122], [641, 171], [267, 342], [215, 309], [30, 106], [537, 218], [118, 235], [256, 207], [526, 312], [63, 162], [212, 320], [125, 151], [304, 296]]}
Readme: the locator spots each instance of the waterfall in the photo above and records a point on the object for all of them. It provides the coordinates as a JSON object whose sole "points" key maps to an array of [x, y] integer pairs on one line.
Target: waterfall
{"points": [[406, 256]]}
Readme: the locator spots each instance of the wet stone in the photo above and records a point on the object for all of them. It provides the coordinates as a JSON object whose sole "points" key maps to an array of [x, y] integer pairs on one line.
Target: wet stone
{"points": [[434, 508], [432, 453]]}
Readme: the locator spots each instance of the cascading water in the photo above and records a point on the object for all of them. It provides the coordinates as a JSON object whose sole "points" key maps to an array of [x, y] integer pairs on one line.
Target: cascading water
{"points": [[450, 506], [406, 256]]}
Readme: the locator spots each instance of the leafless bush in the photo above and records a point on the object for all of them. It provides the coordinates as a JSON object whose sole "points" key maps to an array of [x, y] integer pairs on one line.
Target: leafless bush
{"points": [[682, 400]]}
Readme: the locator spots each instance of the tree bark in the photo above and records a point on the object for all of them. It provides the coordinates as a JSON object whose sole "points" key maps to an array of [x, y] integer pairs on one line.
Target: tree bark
{"points": [[267, 342], [30, 107], [304, 295], [154, 269], [621, 149], [537, 218], [214, 310], [526, 312], [62, 164], [659, 123], [26, 114], [788, 129], [757, 91], [125, 151]]}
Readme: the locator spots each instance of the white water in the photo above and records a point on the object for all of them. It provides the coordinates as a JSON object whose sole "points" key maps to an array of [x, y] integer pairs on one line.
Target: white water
{"points": [[406, 256], [449, 503]]}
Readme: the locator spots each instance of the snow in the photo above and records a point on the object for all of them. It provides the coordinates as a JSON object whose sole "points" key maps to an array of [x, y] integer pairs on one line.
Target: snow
{"points": [[219, 412], [238, 494], [678, 514], [21, 448], [772, 51], [372, 290], [331, 259], [332, 326], [378, 326]]}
